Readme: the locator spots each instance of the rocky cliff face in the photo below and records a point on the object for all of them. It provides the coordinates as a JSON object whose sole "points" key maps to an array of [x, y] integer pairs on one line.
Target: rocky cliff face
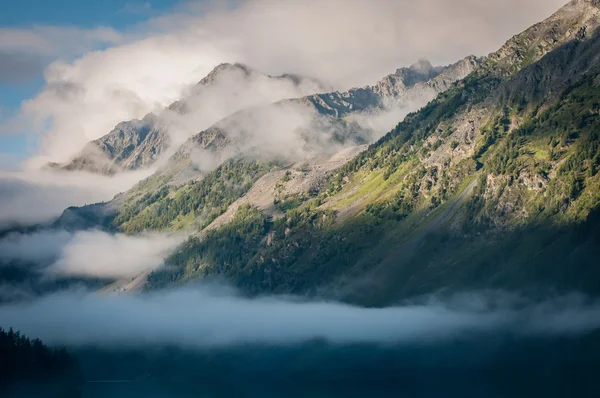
{"points": [[573, 21], [131, 145]]}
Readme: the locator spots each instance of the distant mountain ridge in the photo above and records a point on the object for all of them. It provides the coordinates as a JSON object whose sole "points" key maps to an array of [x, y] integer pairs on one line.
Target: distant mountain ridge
{"points": [[420, 83], [130, 145], [320, 121]]}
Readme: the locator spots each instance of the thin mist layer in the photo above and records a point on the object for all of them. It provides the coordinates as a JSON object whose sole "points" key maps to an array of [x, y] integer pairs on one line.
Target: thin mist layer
{"points": [[207, 317]]}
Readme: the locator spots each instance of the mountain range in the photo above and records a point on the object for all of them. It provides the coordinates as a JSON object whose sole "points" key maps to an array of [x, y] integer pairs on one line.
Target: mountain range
{"points": [[235, 93], [492, 180]]}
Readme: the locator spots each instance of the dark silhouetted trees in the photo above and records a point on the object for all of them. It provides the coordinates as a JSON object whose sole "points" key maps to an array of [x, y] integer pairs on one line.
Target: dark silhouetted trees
{"points": [[28, 367]]}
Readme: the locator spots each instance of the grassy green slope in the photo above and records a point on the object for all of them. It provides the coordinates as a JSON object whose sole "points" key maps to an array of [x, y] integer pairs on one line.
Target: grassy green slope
{"points": [[192, 205]]}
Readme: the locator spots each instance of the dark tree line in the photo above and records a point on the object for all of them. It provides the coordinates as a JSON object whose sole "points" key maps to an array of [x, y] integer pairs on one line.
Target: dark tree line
{"points": [[28, 367]]}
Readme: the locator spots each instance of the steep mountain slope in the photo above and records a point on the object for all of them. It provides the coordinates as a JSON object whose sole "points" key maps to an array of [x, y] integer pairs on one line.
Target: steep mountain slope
{"points": [[228, 88], [573, 21], [493, 184]]}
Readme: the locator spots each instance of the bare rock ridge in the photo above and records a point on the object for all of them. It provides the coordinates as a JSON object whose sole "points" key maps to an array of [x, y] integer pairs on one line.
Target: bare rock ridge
{"points": [[570, 22], [130, 145], [420, 82], [139, 143]]}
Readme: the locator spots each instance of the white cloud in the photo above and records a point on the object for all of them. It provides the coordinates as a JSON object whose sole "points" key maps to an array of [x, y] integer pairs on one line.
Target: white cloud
{"points": [[90, 253], [36, 247], [30, 197], [287, 130], [205, 317], [232, 89], [84, 100], [99, 254]]}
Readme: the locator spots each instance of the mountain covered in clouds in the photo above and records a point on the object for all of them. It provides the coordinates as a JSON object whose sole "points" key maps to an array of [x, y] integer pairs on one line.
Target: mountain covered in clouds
{"points": [[317, 125], [244, 93], [130, 145], [226, 89], [492, 184]]}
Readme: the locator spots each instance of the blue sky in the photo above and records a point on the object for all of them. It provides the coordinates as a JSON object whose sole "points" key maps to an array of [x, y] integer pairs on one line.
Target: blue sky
{"points": [[26, 14], [115, 13]]}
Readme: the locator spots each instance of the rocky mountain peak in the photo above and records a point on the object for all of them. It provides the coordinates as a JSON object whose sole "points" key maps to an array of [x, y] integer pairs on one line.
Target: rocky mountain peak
{"points": [[462, 68], [225, 68], [574, 21], [227, 89], [420, 71], [422, 66]]}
